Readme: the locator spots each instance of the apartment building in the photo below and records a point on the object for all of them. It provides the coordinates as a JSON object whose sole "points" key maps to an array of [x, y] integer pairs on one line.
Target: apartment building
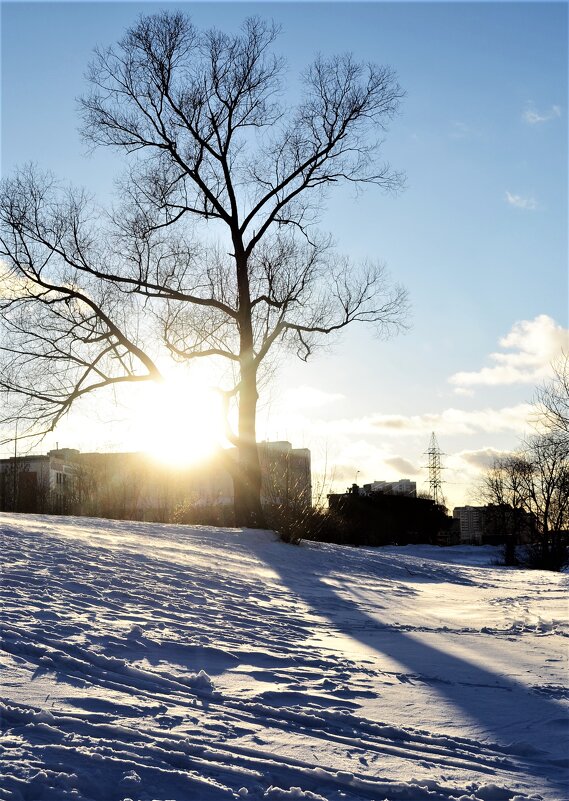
{"points": [[37, 483], [402, 487], [471, 523], [136, 486]]}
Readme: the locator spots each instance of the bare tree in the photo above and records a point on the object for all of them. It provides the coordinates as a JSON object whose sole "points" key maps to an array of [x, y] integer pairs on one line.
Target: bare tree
{"points": [[547, 486], [506, 489], [505, 481], [552, 400], [532, 485], [549, 454], [213, 238]]}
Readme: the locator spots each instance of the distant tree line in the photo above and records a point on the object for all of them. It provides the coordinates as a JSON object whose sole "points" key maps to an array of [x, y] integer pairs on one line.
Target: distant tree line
{"points": [[534, 480]]}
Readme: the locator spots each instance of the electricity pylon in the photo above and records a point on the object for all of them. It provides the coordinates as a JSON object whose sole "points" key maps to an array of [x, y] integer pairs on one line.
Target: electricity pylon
{"points": [[434, 466]]}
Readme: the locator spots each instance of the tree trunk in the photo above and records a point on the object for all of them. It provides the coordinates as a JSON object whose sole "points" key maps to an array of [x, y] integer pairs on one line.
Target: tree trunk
{"points": [[247, 478]]}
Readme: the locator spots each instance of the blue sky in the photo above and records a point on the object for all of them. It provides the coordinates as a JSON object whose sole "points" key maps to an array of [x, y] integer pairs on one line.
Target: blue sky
{"points": [[479, 236]]}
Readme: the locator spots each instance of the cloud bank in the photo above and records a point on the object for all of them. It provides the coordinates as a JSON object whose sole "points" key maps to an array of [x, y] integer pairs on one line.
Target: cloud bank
{"points": [[450, 421], [403, 466], [529, 349], [482, 458]]}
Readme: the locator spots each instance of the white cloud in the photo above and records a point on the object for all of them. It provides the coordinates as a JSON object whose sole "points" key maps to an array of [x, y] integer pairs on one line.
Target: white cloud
{"points": [[13, 284], [520, 202], [534, 117], [306, 397], [532, 346]]}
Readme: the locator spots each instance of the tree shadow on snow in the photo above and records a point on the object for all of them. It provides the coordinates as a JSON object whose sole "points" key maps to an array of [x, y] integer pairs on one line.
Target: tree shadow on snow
{"points": [[499, 706]]}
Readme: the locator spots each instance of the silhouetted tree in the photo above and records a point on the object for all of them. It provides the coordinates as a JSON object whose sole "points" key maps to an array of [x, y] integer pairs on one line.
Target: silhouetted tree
{"points": [[533, 485], [506, 488], [552, 399], [213, 237], [548, 488], [550, 460]]}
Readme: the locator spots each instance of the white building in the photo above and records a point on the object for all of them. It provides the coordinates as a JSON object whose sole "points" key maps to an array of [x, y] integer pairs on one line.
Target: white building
{"points": [[37, 483], [402, 487], [471, 522]]}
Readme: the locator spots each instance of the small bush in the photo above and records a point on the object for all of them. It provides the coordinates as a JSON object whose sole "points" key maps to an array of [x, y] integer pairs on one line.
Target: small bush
{"points": [[296, 523], [510, 552], [221, 515], [552, 556]]}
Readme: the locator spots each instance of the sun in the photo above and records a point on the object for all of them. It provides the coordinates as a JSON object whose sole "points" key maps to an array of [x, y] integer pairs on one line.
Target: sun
{"points": [[179, 421]]}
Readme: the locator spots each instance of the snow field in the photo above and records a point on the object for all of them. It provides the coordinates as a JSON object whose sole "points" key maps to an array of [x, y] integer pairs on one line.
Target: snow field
{"points": [[173, 663]]}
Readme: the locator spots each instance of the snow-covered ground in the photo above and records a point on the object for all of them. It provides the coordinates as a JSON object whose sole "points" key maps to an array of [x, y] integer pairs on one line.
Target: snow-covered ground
{"points": [[171, 662]]}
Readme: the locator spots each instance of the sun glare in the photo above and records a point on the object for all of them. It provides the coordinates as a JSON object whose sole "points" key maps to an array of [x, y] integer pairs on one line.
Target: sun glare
{"points": [[179, 422]]}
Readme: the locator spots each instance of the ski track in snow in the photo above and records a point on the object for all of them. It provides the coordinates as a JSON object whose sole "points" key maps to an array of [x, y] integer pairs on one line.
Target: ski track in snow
{"points": [[173, 663]]}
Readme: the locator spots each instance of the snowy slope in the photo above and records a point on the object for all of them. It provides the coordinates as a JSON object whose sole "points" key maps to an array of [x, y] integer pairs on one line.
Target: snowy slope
{"points": [[170, 662]]}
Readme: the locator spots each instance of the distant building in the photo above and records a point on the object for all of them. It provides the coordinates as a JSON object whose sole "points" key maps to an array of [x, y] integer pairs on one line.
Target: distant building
{"points": [[471, 523], [286, 474], [402, 487], [493, 524], [128, 486], [137, 487], [37, 483], [380, 518]]}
